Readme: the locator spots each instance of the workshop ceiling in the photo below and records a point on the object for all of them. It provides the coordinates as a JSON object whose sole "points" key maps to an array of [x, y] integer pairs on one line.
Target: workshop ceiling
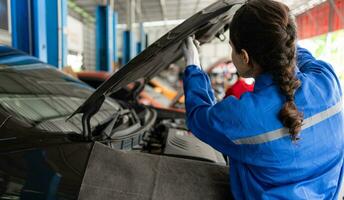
{"points": [[158, 10]]}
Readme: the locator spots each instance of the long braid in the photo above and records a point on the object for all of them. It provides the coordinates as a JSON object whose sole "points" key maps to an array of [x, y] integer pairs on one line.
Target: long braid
{"points": [[269, 37], [288, 83]]}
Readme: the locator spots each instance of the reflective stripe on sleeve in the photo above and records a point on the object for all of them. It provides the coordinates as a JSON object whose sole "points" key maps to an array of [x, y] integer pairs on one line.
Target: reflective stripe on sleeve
{"points": [[282, 132]]}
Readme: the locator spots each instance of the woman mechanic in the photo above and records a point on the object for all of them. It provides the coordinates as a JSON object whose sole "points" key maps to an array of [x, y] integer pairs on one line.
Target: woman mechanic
{"points": [[285, 139]]}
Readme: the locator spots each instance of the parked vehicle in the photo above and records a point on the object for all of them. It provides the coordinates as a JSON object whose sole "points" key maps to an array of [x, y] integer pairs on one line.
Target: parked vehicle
{"points": [[164, 88], [147, 96]]}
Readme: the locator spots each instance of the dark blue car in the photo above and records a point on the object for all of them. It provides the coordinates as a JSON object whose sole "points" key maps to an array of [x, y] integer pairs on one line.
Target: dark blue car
{"points": [[107, 149]]}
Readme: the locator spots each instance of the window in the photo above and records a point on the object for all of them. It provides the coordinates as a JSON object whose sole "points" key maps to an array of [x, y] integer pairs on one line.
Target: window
{"points": [[4, 15]]}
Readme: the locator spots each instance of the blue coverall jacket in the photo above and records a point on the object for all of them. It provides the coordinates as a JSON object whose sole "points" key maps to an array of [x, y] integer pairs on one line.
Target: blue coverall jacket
{"points": [[264, 162]]}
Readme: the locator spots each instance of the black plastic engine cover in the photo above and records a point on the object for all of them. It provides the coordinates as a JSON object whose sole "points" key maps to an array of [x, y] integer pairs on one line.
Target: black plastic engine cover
{"points": [[181, 143]]}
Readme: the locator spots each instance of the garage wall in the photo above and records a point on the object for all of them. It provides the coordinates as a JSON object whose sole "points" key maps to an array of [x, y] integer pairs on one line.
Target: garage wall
{"points": [[5, 22], [214, 51], [154, 33], [89, 58], [5, 38], [89, 41], [209, 53]]}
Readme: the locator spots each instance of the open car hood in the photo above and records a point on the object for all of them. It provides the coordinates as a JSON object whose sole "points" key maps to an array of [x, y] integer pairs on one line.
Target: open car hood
{"points": [[205, 25]]}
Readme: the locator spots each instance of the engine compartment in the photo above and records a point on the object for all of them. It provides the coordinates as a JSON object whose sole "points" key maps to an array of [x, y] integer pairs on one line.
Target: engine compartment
{"points": [[163, 132]]}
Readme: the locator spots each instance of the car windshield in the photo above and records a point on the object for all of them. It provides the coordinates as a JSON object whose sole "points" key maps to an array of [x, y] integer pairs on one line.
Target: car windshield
{"points": [[45, 97]]}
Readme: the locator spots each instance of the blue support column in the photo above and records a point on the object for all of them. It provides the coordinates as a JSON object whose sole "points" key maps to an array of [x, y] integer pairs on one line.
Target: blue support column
{"points": [[139, 47], [146, 40], [115, 47], [100, 39], [56, 17], [110, 38], [104, 38], [142, 38], [39, 30], [129, 47], [29, 27], [21, 23], [64, 46], [52, 29]]}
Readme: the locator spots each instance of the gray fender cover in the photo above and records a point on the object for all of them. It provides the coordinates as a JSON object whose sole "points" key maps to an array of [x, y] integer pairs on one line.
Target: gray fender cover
{"points": [[114, 174]]}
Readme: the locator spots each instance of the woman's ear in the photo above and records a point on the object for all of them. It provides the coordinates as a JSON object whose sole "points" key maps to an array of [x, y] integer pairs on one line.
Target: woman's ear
{"points": [[244, 56]]}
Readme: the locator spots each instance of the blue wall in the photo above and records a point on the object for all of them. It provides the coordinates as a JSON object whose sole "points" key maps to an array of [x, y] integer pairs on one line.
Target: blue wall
{"points": [[35, 29], [104, 38]]}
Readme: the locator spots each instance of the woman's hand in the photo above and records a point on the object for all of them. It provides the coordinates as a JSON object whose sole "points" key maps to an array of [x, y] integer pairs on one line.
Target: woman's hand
{"points": [[190, 52]]}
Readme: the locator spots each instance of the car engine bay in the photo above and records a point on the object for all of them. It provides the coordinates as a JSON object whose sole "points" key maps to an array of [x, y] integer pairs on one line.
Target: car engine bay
{"points": [[156, 131]]}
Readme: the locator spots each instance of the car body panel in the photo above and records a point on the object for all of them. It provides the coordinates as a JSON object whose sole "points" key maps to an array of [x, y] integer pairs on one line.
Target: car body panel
{"points": [[44, 173]]}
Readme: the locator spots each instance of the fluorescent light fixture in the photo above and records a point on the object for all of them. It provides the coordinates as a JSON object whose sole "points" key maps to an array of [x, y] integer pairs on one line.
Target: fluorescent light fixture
{"points": [[153, 23], [163, 23]]}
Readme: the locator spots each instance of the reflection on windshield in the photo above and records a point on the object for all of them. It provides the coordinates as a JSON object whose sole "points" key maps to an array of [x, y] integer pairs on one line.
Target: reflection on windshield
{"points": [[45, 97]]}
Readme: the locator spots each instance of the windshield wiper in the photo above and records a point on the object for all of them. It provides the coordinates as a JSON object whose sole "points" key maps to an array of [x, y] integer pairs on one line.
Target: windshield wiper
{"points": [[5, 121]]}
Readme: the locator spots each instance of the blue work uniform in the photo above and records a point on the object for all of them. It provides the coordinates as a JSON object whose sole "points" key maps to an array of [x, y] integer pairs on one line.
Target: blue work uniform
{"points": [[264, 162]]}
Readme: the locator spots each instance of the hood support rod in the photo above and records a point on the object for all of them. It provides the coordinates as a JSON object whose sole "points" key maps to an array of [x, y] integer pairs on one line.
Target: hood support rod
{"points": [[91, 110]]}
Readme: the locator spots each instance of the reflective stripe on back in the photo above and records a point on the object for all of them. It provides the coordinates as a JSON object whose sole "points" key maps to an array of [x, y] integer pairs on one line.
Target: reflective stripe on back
{"points": [[282, 132]]}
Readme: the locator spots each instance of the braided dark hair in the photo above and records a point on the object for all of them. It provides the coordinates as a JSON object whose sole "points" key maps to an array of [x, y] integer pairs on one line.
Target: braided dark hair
{"points": [[266, 30]]}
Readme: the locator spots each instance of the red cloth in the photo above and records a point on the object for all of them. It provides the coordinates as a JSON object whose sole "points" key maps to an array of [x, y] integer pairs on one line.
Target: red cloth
{"points": [[239, 88]]}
